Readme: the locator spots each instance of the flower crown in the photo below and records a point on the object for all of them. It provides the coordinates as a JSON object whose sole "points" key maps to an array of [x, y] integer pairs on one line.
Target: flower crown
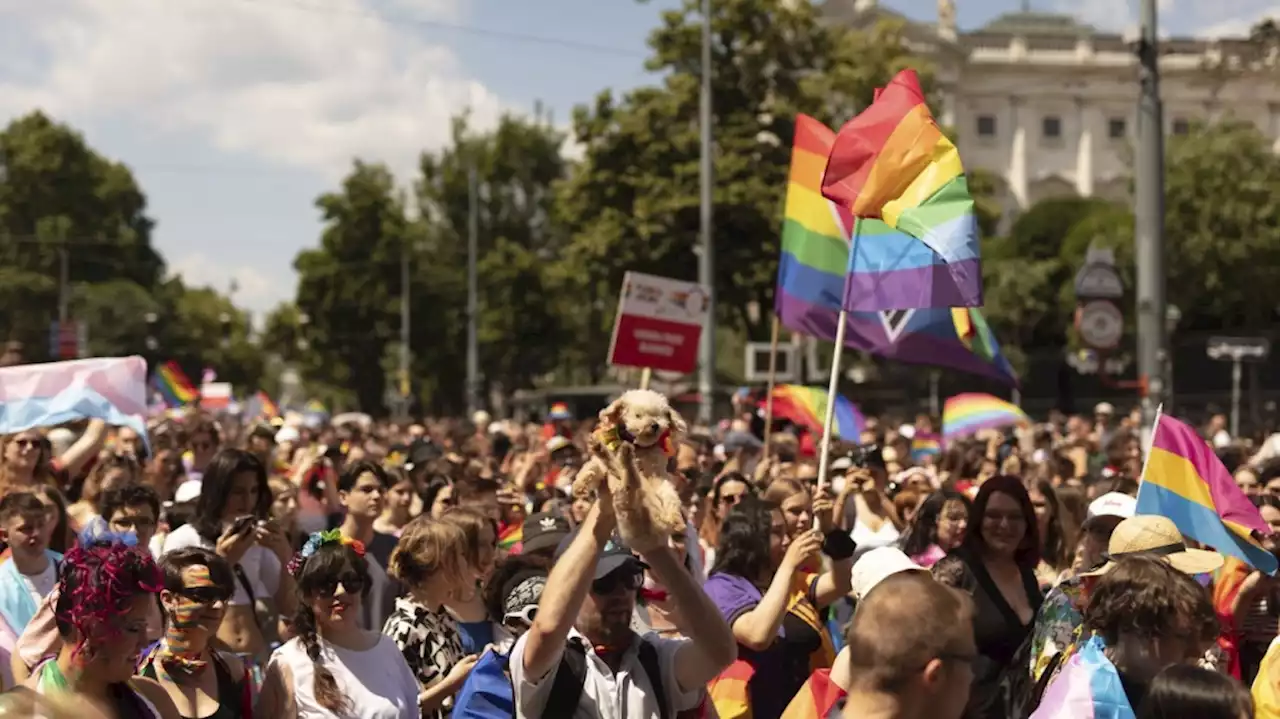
{"points": [[318, 540]]}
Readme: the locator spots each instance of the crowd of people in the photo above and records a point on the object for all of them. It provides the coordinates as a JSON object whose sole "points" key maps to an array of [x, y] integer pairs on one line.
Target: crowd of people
{"points": [[219, 569]]}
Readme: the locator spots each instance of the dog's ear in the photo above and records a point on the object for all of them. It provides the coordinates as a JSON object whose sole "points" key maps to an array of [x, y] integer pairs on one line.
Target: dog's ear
{"points": [[613, 413], [676, 424]]}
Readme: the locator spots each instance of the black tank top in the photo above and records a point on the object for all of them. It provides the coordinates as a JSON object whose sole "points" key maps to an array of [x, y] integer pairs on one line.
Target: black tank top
{"points": [[230, 691]]}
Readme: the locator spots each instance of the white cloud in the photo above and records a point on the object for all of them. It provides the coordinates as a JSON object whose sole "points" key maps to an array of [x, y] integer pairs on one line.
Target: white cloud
{"points": [[254, 289], [301, 82]]}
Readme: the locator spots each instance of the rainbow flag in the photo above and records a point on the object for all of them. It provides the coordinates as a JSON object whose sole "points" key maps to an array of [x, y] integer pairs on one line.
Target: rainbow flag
{"points": [[925, 445], [511, 536], [1185, 481], [816, 699], [807, 406], [966, 414], [174, 386], [729, 692], [917, 244], [811, 282], [268, 408]]}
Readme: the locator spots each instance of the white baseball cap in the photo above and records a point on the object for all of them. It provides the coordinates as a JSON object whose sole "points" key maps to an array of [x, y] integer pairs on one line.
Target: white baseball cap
{"points": [[188, 491], [1112, 504], [878, 565]]}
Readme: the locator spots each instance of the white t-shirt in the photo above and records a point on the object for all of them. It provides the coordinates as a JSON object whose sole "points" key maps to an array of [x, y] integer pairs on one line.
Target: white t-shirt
{"points": [[39, 585], [377, 682], [605, 695], [261, 565]]}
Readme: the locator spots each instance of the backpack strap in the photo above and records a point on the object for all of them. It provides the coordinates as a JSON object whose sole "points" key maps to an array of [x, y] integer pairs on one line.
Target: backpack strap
{"points": [[648, 655], [566, 688]]}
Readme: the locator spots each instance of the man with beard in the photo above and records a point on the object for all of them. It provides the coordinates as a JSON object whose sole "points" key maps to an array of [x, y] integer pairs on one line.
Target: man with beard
{"points": [[581, 658]]}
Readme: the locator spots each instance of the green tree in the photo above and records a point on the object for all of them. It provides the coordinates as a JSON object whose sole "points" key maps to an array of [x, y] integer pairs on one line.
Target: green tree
{"points": [[521, 332], [57, 195], [633, 203], [348, 285]]}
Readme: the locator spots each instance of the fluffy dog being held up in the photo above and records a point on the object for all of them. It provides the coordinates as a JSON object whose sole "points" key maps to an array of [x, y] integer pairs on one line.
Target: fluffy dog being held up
{"points": [[637, 434]]}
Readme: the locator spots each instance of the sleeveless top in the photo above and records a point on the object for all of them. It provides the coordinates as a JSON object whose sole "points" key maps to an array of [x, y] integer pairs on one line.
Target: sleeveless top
{"points": [[125, 702], [232, 694]]}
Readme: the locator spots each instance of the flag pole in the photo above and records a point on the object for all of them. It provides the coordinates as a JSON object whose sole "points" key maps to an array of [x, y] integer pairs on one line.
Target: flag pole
{"points": [[824, 454], [646, 376], [773, 370], [1146, 458]]}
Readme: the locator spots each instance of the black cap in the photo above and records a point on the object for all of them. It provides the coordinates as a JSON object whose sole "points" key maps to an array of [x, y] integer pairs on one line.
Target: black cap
{"points": [[613, 557], [543, 530]]}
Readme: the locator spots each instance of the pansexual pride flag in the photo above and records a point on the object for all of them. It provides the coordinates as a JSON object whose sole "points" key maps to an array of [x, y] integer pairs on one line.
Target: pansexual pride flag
{"points": [[1185, 481], [917, 245], [811, 282], [43, 395], [807, 406]]}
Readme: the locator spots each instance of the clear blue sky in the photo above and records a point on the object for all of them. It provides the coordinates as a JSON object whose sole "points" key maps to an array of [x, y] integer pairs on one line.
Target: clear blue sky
{"points": [[236, 114]]}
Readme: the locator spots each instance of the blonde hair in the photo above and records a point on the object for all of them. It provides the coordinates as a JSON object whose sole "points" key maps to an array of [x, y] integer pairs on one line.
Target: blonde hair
{"points": [[429, 549], [780, 490], [43, 472]]}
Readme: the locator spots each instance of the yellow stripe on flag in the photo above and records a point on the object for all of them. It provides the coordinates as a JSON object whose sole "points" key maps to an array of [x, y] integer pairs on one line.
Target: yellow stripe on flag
{"points": [[812, 211], [1177, 475]]}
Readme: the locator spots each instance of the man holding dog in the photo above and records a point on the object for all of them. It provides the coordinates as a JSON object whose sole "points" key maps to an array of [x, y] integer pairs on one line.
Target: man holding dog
{"points": [[581, 658]]}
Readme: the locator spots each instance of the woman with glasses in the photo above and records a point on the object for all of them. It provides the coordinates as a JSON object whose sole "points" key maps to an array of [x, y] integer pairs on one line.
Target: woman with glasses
{"points": [[996, 564], [202, 682], [232, 519], [431, 562], [773, 604], [332, 667], [105, 591], [728, 490], [27, 461], [938, 527]]}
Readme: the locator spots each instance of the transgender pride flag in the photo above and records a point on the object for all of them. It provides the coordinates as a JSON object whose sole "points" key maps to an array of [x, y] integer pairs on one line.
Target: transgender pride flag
{"points": [[43, 395]]}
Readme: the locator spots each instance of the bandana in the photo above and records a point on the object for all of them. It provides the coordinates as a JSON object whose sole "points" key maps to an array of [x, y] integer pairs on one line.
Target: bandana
{"points": [[614, 435], [318, 540]]}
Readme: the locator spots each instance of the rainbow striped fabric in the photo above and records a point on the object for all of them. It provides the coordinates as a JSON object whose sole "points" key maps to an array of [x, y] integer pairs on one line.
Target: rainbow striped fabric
{"points": [[268, 407], [173, 385], [1185, 481], [811, 282], [917, 245], [966, 414], [807, 406], [925, 445], [510, 537]]}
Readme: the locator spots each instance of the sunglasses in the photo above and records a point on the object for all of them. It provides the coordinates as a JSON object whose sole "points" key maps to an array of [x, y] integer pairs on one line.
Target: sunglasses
{"points": [[353, 583], [204, 595], [629, 580], [521, 619]]}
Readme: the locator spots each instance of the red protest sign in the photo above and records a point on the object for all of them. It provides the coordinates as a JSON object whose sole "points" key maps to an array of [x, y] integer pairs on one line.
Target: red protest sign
{"points": [[659, 323]]}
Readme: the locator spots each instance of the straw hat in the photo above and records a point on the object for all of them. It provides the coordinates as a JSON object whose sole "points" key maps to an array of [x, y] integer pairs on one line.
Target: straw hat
{"points": [[1157, 536]]}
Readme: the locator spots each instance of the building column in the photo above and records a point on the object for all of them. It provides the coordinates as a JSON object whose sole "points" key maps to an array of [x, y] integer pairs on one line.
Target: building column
{"points": [[1084, 149], [1018, 152]]}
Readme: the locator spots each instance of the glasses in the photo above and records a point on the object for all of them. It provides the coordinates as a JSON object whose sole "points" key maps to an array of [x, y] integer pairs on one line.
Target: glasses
{"points": [[353, 583], [205, 595], [522, 618], [629, 581]]}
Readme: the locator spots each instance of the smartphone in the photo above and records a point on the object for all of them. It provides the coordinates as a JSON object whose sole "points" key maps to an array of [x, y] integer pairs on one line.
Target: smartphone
{"points": [[243, 524]]}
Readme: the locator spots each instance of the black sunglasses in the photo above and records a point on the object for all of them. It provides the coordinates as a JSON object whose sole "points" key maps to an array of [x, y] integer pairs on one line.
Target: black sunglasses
{"points": [[353, 583], [629, 580], [204, 595]]}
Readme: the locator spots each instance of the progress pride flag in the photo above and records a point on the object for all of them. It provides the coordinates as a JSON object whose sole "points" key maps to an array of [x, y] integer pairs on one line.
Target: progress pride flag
{"points": [[659, 323], [43, 395]]}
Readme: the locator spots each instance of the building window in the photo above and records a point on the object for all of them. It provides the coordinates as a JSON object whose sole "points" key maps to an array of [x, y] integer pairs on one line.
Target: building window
{"points": [[1117, 128], [1181, 126], [1051, 127], [986, 126]]}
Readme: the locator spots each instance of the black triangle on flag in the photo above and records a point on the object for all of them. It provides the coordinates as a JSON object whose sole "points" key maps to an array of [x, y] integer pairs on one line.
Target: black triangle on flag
{"points": [[895, 321]]}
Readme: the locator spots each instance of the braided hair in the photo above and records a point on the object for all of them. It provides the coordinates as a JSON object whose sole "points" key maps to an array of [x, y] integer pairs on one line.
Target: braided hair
{"points": [[318, 574]]}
